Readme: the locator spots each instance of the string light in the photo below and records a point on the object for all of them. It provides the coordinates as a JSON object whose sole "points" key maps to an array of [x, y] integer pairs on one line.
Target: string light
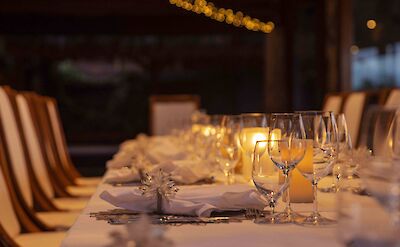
{"points": [[237, 19], [371, 24]]}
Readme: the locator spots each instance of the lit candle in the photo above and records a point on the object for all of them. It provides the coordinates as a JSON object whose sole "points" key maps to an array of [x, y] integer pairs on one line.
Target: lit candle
{"points": [[248, 140], [206, 130], [300, 187], [196, 128]]}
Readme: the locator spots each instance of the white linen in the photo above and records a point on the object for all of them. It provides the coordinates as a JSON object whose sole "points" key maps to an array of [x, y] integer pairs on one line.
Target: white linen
{"points": [[189, 200], [121, 159], [165, 152], [89, 232], [185, 171], [155, 150], [123, 175]]}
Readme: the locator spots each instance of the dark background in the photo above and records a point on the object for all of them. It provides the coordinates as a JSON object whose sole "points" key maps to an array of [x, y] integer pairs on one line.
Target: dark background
{"points": [[103, 59]]}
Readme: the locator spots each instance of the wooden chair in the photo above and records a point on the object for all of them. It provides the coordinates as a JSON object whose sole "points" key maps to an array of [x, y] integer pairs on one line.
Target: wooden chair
{"points": [[64, 183], [393, 98], [22, 172], [61, 146], [334, 102], [375, 129], [12, 232], [353, 109], [29, 176], [170, 111]]}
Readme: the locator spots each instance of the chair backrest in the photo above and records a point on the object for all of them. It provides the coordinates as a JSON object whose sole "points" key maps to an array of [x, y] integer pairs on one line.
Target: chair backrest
{"points": [[8, 217], [393, 99], [59, 138], [376, 128], [333, 102], [171, 111], [44, 130], [15, 146], [353, 110], [34, 151]]}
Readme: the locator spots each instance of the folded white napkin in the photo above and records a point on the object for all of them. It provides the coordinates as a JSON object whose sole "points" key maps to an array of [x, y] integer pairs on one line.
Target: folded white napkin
{"points": [[123, 175], [199, 200], [161, 150], [128, 144], [121, 159], [185, 171]]}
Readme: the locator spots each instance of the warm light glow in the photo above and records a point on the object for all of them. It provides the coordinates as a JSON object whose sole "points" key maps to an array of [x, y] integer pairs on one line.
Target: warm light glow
{"points": [[258, 137], [238, 19], [276, 134], [196, 128], [354, 49], [371, 24], [207, 130]]}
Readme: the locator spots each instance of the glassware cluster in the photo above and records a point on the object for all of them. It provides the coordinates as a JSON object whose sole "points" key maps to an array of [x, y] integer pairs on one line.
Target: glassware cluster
{"points": [[266, 148]]}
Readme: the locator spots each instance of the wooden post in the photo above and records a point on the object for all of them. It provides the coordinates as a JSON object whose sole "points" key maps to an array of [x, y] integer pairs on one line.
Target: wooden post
{"points": [[275, 85]]}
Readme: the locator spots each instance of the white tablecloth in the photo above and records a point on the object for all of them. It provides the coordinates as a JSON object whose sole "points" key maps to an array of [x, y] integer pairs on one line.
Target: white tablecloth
{"points": [[88, 231]]}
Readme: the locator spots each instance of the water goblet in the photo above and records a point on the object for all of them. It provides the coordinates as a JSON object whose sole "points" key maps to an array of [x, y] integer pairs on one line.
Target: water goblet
{"points": [[287, 128], [228, 152], [321, 130], [267, 180], [345, 154]]}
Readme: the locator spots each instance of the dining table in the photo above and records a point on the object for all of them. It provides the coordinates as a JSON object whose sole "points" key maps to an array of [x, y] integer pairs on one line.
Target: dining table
{"points": [[87, 231]]}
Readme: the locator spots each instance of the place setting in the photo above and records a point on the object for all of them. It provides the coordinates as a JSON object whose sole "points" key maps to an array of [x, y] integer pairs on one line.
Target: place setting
{"points": [[183, 191]]}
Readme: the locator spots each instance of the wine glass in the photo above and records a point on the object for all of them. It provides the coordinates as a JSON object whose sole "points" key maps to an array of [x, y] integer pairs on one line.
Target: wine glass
{"points": [[265, 176], [228, 153], [321, 128], [363, 222], [254, 127], [286, 154], [217, 122], [345, 154]]}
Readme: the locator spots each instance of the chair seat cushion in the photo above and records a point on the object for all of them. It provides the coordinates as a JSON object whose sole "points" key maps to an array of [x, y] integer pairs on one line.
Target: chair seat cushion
{"points": [[43, 239], [58, 219], [81, 191], [91, 181], [70, 204]]}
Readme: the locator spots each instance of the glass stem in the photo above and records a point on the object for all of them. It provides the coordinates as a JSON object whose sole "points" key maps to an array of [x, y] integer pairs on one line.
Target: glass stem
{"points": [[288, 174], [228, 176], [315, 191]]}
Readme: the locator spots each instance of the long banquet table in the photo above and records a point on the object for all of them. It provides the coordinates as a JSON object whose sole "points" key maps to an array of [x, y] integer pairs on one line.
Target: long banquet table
{"points": [[87, 231]]}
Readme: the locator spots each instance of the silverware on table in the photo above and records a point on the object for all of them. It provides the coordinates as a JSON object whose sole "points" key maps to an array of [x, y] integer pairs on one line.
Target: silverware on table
{"points": [[123, 216]]}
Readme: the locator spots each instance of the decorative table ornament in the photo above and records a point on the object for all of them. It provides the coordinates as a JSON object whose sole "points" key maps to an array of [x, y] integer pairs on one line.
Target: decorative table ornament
{"points": [[141, 233], [159, 186]]}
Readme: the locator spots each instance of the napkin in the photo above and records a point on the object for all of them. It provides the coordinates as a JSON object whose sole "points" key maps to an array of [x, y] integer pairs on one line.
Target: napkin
{"points": [[161, 150], [123, 175], [185, 171], [189, 200], [121, 159]]}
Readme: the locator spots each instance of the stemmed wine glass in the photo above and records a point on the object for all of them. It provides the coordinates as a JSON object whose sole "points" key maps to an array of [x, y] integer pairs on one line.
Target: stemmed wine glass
{"points": [[345, 154], [266, 179], [321, 128], [228, 152], [217, 123], [286, 154]]}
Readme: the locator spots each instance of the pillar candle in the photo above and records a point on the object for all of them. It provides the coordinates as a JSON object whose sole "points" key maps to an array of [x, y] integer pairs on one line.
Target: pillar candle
{"points": [[249, 137], [301, 188]]}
